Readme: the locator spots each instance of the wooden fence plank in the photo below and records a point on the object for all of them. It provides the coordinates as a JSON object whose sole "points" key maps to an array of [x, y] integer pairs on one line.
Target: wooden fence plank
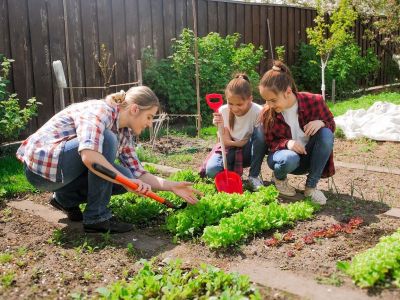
{"points": [[76, 48], [158, 28], [22, 67], [5, 47], [119, 34], [133, 38], [41, 59], [255, 14], [284, 30], [297, 27], [189, 14], [105, 25], [271, 19], [91, 47], [4, 29], [277, 28], [169, 24], [55, 11], [240, 25], [248, 24], [221, 16], [290, 36], [263, 37], [180, 12], [212, 13], [303, 20], [202, 19], [146, 39], [231, 18]]}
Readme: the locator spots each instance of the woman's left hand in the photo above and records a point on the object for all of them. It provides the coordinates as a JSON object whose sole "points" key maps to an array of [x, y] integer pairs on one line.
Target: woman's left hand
{"points": [[185, 191], [312, 127]]}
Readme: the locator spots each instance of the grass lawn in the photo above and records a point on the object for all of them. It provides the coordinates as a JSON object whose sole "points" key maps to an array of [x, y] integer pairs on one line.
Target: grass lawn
{"points": [[12, 177], [363, 102]]}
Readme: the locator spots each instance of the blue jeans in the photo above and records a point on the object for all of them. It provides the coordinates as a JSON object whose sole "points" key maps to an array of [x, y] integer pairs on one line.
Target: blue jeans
{"points": [[318, 148], [253, 156], [79, 185]]}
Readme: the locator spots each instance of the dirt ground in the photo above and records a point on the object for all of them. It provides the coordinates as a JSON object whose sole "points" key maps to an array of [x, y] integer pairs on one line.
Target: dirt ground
{"points": [[50, 261]]}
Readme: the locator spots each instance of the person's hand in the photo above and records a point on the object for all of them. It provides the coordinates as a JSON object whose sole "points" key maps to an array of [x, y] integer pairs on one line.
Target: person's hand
{"points": [[312, 127], [296, 147], [143, 187], [217, 119], [185, 191]]}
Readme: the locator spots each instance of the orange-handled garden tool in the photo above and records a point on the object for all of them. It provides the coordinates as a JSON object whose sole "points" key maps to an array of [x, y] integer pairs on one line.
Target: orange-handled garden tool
{"points": [[127, 182], [225, 181]]}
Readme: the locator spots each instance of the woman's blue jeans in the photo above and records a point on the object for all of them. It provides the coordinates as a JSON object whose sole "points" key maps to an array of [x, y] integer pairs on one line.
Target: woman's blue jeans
{"points": [[79, 185], [253, 156], [318, 148]]}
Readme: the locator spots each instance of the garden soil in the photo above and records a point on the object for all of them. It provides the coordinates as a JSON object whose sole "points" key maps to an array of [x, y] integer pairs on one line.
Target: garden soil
{"points": [[53, 258]]}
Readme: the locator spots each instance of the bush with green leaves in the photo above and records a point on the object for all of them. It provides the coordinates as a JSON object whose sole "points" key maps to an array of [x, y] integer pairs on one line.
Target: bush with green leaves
{"points": [[173, 282], [13, 119], [173, 79], [377, 265], [347, 67]]}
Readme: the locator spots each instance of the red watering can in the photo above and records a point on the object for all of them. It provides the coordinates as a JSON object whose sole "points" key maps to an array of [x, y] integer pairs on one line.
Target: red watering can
{"points": [[225, 181]]}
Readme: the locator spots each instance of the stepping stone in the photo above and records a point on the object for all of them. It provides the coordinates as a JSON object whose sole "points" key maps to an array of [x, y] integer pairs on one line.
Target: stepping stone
{"points": [[394, 212], [273, 277]]}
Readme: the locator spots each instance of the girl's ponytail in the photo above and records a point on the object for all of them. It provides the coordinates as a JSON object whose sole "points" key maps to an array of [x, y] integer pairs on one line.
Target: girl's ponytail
{"points": [[142, 96]]}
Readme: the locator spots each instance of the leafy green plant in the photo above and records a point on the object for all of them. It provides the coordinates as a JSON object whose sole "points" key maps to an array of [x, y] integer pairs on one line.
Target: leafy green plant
{"points": [[173, 78], [212, 208], [57, 238], [7, 279], [5, 258], [174, 282], [13, 119], [280, 52], [146, 155], [255, 219], [377, 265]]}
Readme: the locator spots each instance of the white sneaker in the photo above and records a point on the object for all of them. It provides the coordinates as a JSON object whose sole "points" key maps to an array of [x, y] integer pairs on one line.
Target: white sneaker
{"points": [[283, 186], [255, 183], [316, 195]]}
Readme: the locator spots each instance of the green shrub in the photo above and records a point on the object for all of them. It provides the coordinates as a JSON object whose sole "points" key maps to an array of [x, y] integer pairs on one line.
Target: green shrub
{"points": [[347, 67], [13, 119], [173, 79]]}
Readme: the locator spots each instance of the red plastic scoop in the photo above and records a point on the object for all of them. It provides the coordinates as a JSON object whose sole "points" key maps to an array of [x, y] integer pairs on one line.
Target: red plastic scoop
{"points": [[225, 181]]}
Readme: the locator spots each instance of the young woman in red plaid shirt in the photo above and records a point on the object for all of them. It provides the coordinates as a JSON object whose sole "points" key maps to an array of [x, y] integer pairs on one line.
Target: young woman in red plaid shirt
{"points": [[59, 156], [243, 137], [299, 131]]}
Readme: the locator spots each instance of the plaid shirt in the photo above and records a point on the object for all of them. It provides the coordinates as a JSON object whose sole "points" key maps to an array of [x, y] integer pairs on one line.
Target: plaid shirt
{"points": [[311, 107], [85, 121]]}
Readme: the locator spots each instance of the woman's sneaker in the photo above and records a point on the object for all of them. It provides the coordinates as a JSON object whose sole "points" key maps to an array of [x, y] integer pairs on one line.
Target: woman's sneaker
{"points": [[111, 225], [316, 195], [74, 213], [283, 186], [255, 183]]}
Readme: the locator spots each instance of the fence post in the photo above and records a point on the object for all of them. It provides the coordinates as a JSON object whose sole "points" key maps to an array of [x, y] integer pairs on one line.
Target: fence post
{"points": [[333, 90], [139, 71], [60, 79]]}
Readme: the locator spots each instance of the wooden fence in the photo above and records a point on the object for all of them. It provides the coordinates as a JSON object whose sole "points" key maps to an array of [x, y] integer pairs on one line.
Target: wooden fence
{"points": [[36, 32]]}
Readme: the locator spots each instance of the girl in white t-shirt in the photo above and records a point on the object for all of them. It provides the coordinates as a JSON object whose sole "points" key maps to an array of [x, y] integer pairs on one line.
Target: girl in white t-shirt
{"points": [[243, 136]]}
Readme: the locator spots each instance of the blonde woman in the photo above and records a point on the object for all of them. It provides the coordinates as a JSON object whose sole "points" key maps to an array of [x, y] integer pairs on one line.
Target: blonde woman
{"points": [[59, 156]]}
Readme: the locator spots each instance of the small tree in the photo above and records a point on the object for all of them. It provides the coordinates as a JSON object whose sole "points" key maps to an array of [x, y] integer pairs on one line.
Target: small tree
{"points": [[328, 35]]}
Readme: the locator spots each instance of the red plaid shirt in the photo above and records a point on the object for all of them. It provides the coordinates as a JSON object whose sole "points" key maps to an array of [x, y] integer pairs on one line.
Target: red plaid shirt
{"points": [[85, 121], [311, 107]]}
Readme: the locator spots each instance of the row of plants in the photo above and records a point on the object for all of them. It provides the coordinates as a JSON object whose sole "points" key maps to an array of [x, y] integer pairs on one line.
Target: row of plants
{"points": [[379, 265], [212, 208], [173, 281], [255, 219]]}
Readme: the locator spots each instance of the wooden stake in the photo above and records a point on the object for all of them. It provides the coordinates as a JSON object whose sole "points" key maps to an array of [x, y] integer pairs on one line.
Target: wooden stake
{"points": [[196, 61]]}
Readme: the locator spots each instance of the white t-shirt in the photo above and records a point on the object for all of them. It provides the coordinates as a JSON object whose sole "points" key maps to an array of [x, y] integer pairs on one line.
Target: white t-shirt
{"points": [[291, 117], [245, 124]]}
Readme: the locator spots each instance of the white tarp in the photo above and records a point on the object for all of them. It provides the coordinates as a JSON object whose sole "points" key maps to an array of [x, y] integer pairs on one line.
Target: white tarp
{"points": [[380, 122]]}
